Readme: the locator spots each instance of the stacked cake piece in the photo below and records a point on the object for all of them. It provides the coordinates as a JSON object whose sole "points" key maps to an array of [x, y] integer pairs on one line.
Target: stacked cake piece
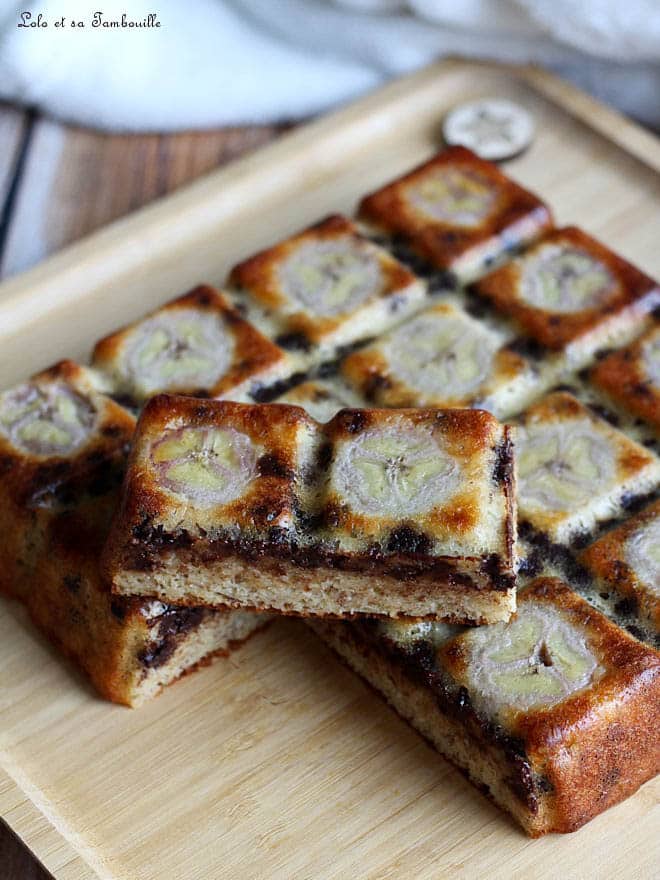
{"points": [[380, 496]]}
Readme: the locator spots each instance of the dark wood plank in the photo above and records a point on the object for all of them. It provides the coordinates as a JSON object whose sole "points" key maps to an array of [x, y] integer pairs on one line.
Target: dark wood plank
{"points": [[12, 126], [16, 861], [76, 180]]}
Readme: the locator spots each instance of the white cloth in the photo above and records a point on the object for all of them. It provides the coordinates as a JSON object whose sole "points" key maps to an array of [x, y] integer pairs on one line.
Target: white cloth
{"points": [[220, 62]]}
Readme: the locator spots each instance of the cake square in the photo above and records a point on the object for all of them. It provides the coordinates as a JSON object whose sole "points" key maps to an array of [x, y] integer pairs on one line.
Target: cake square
{"points": [[459, 212], [325, 288], [441, 357], [572, 295], [574, 469], [383, 512], [197, 344], [554, 714], [631, 377], [627, 559], [57, 433]]}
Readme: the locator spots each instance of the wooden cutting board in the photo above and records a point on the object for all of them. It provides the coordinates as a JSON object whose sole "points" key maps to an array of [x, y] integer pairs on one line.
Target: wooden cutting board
{"points": [[278, 762]]}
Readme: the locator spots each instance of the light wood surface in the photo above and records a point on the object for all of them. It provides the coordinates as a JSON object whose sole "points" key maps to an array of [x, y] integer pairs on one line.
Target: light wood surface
{"points": [[278, 763]]}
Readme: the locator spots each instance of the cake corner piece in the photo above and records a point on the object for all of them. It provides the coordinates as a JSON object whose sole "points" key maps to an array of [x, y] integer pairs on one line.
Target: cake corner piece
{"points": [[554, 714]]}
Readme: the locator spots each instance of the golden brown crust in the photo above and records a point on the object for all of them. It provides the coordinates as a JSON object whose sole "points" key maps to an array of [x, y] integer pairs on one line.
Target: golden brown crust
{"points": [[617, 561], [632, 294], [515, 216], [254, 359], [624, 377]]}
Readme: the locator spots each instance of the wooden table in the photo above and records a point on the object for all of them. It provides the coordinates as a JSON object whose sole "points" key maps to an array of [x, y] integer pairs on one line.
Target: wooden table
{"points": [[57, 183]]}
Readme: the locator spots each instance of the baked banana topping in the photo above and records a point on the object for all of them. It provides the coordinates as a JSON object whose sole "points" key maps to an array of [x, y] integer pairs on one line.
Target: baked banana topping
{"points": [[394, 472], [178, 349], [539, 658], [46, 419], [330, 278], [565, 280], [572, 296], [436, 353], [561, 466], [205, 465], [196, 344], [574, 468], [324, 288], [454, 195]]}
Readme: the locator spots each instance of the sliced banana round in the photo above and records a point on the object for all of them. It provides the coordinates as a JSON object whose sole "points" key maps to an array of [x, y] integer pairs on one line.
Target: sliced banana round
{"points": [[330, 278], [205, 466], [46, 419], [178, 349], [394, 472], [441, 356], [562, 465], [453, 195], [537, 659], [565, 280], [651, 359], [642, 554], [493, 128]]}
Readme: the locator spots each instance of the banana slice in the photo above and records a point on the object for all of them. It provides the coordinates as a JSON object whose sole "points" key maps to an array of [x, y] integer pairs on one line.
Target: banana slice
{"points": [[205, 466], [643, 555], [651, 360], [330, 278], [537, 659], [565, 280], [48, 420], [441, 356], [562, 465], [394, 473], [461, 198], [180, 348]]}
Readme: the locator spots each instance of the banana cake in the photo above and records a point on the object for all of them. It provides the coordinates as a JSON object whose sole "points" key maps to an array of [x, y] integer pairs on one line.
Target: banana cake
{"points": [[402, 513], [459, 212], [554, 715], [63, 448]]}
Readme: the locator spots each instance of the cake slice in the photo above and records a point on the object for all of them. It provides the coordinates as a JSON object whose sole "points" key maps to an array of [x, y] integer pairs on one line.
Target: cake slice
{"points": [[572, 296], [631, 377], [197, 344], [627, 559], [554, 715], [575, 470], [441, 357], [63, 448], [459, 212], [324, 289], [400, 513]]}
